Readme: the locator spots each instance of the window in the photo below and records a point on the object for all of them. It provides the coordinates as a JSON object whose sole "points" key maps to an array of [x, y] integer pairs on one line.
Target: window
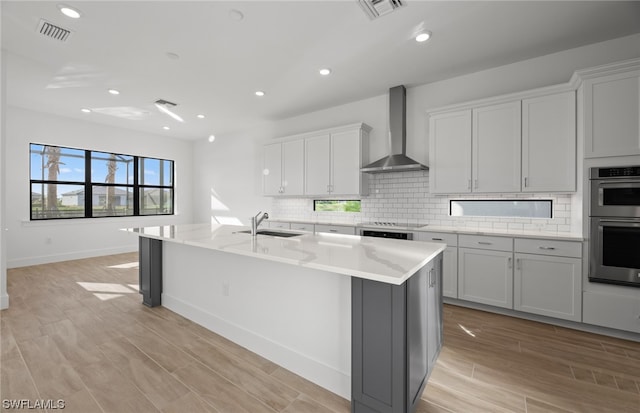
{"points": [[78, 183], [336, 206], [520, 208]]}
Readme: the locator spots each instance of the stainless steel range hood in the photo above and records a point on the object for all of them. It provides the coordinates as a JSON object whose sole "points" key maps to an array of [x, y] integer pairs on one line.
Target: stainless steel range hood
{"points": [[397, 160]]}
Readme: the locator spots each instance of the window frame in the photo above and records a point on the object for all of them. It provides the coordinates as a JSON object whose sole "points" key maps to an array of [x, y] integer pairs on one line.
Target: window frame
{"points": [[88, 184]]}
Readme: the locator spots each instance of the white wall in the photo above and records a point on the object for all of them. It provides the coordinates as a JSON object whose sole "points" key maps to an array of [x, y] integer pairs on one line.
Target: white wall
{"points": [[4, 298], [38, 242], [240, 155]]}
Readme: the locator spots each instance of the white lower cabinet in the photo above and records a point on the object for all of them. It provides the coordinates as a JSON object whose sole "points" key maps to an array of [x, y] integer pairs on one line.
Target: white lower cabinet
{"points": [[302, 226], [279, 225], [548, 285], [336, 229], [548, 278], [485, 270], [450, 260], [612, 310]]}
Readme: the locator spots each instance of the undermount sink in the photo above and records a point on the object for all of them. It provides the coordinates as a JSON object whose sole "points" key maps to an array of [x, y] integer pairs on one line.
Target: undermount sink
{"points": [[273, 233]]}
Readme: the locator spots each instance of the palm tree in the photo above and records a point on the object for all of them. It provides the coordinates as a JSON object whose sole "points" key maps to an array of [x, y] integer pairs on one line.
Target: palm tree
{"points": [[53, 166], [112, 166]]}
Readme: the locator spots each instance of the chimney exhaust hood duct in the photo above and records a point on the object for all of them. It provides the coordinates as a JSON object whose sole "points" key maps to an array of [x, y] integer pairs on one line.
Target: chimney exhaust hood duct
{"points": [[397, 160]]}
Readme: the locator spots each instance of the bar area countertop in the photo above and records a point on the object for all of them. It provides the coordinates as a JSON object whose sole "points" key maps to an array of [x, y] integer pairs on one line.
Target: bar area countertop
{"points": [[377, 259]]}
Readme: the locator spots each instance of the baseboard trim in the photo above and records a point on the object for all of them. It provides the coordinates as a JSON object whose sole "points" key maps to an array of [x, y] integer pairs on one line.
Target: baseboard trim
{"points": [[76, 255], [312, 370], [4, 302], [589, 328]]}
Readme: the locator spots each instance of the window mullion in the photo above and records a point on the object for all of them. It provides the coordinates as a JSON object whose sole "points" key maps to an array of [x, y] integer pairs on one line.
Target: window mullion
{"points": [[88, 188]]}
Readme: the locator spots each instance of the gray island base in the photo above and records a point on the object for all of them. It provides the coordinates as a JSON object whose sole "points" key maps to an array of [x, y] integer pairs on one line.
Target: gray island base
{"points": [[372, 337]]}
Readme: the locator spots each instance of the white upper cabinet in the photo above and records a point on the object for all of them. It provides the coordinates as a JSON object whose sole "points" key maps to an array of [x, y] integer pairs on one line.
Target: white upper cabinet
{"points": [[524, 142], [283, 168], [549, 143], [345, 162], [293, 167], [333, 161], [450, 152], [321, 163], [317, 156], [272, 169], [612, 111], [496, 146]]}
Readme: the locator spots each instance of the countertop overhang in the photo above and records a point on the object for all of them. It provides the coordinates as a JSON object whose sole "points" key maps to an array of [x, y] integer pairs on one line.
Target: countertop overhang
{"points": [[378, 259]]}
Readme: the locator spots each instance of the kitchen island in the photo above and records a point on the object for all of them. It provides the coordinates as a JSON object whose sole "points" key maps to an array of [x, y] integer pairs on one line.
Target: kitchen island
{"points": [[359, 316]]}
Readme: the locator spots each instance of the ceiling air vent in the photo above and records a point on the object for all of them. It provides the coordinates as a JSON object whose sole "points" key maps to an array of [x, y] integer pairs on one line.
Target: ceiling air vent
{"points": [[378, 8], [52, 31]]}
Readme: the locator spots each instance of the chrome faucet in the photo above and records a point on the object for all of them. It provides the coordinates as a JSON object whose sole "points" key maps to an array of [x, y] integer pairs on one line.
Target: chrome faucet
{"points": [[255, 222]]}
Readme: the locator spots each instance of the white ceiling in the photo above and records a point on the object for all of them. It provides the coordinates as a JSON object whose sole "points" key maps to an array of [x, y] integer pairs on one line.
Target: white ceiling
{"points": [[278, 47]]}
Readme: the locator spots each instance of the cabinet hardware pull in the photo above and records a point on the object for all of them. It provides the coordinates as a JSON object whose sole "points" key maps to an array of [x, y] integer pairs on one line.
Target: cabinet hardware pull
{"points": [[484, 243], [437, 239], [547, 248], [518, 264], [333, 230], [510, 262], [526, 181]]}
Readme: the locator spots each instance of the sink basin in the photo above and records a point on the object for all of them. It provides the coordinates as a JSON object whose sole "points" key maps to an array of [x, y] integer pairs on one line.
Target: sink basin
{"points": [[273, 233]]}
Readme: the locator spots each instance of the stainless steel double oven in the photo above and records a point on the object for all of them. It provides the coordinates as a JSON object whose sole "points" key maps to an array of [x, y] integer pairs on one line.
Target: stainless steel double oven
{"points": [[615, 225]]}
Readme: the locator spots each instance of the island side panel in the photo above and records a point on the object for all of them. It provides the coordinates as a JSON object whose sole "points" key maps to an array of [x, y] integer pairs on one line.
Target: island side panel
{"points": [[297, 317], [390, 357], [150, 271]]}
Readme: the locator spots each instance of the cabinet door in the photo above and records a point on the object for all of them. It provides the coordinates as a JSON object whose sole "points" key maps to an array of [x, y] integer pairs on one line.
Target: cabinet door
{"points": [[450, 152], [496, 148], [612, 310], [345, 162], [434, 312], [272, 169], [293, 167], [485, 276], [548, 285], [317, 165], [450, 273], [611, 115], [549, 143]]}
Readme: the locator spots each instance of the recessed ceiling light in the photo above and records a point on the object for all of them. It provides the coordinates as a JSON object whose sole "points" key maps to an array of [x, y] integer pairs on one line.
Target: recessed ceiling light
{"points": [[200, 116], [236, 14], [212, 138], [85, 110], [423, 37], [166, 128], [114, 91], [259, 93], [325, 71], [69, 11]]}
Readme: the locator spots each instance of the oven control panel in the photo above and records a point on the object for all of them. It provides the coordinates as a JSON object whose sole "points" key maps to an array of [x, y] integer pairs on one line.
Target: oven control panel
{"points": [[617, 172]]}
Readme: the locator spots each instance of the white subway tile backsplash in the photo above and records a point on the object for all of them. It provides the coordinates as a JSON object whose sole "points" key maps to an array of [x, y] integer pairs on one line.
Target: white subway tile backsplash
{"points": [[405, 197]]}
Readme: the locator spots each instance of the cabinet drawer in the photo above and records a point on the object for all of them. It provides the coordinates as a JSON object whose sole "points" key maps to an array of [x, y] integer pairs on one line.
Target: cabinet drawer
{"points": [[279, 225], [298, 226], [548, 247], [486, 242], [449, 239], [336, 229]]}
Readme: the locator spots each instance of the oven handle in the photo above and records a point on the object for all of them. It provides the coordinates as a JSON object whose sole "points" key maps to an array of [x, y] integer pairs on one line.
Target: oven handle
{"points": [[633, 222], [618, 184]]}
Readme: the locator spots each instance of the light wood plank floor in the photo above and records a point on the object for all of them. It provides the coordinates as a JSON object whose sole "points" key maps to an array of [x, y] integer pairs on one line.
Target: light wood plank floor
{"points": [[77, 331]]}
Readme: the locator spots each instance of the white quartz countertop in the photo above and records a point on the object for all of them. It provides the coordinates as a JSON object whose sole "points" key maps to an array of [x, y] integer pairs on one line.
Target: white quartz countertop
{"points": [[386, 260], [560, 236]]}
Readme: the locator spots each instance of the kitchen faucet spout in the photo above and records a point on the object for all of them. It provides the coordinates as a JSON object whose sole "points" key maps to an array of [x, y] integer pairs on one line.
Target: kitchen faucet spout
{"points": [[256, 221]]}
